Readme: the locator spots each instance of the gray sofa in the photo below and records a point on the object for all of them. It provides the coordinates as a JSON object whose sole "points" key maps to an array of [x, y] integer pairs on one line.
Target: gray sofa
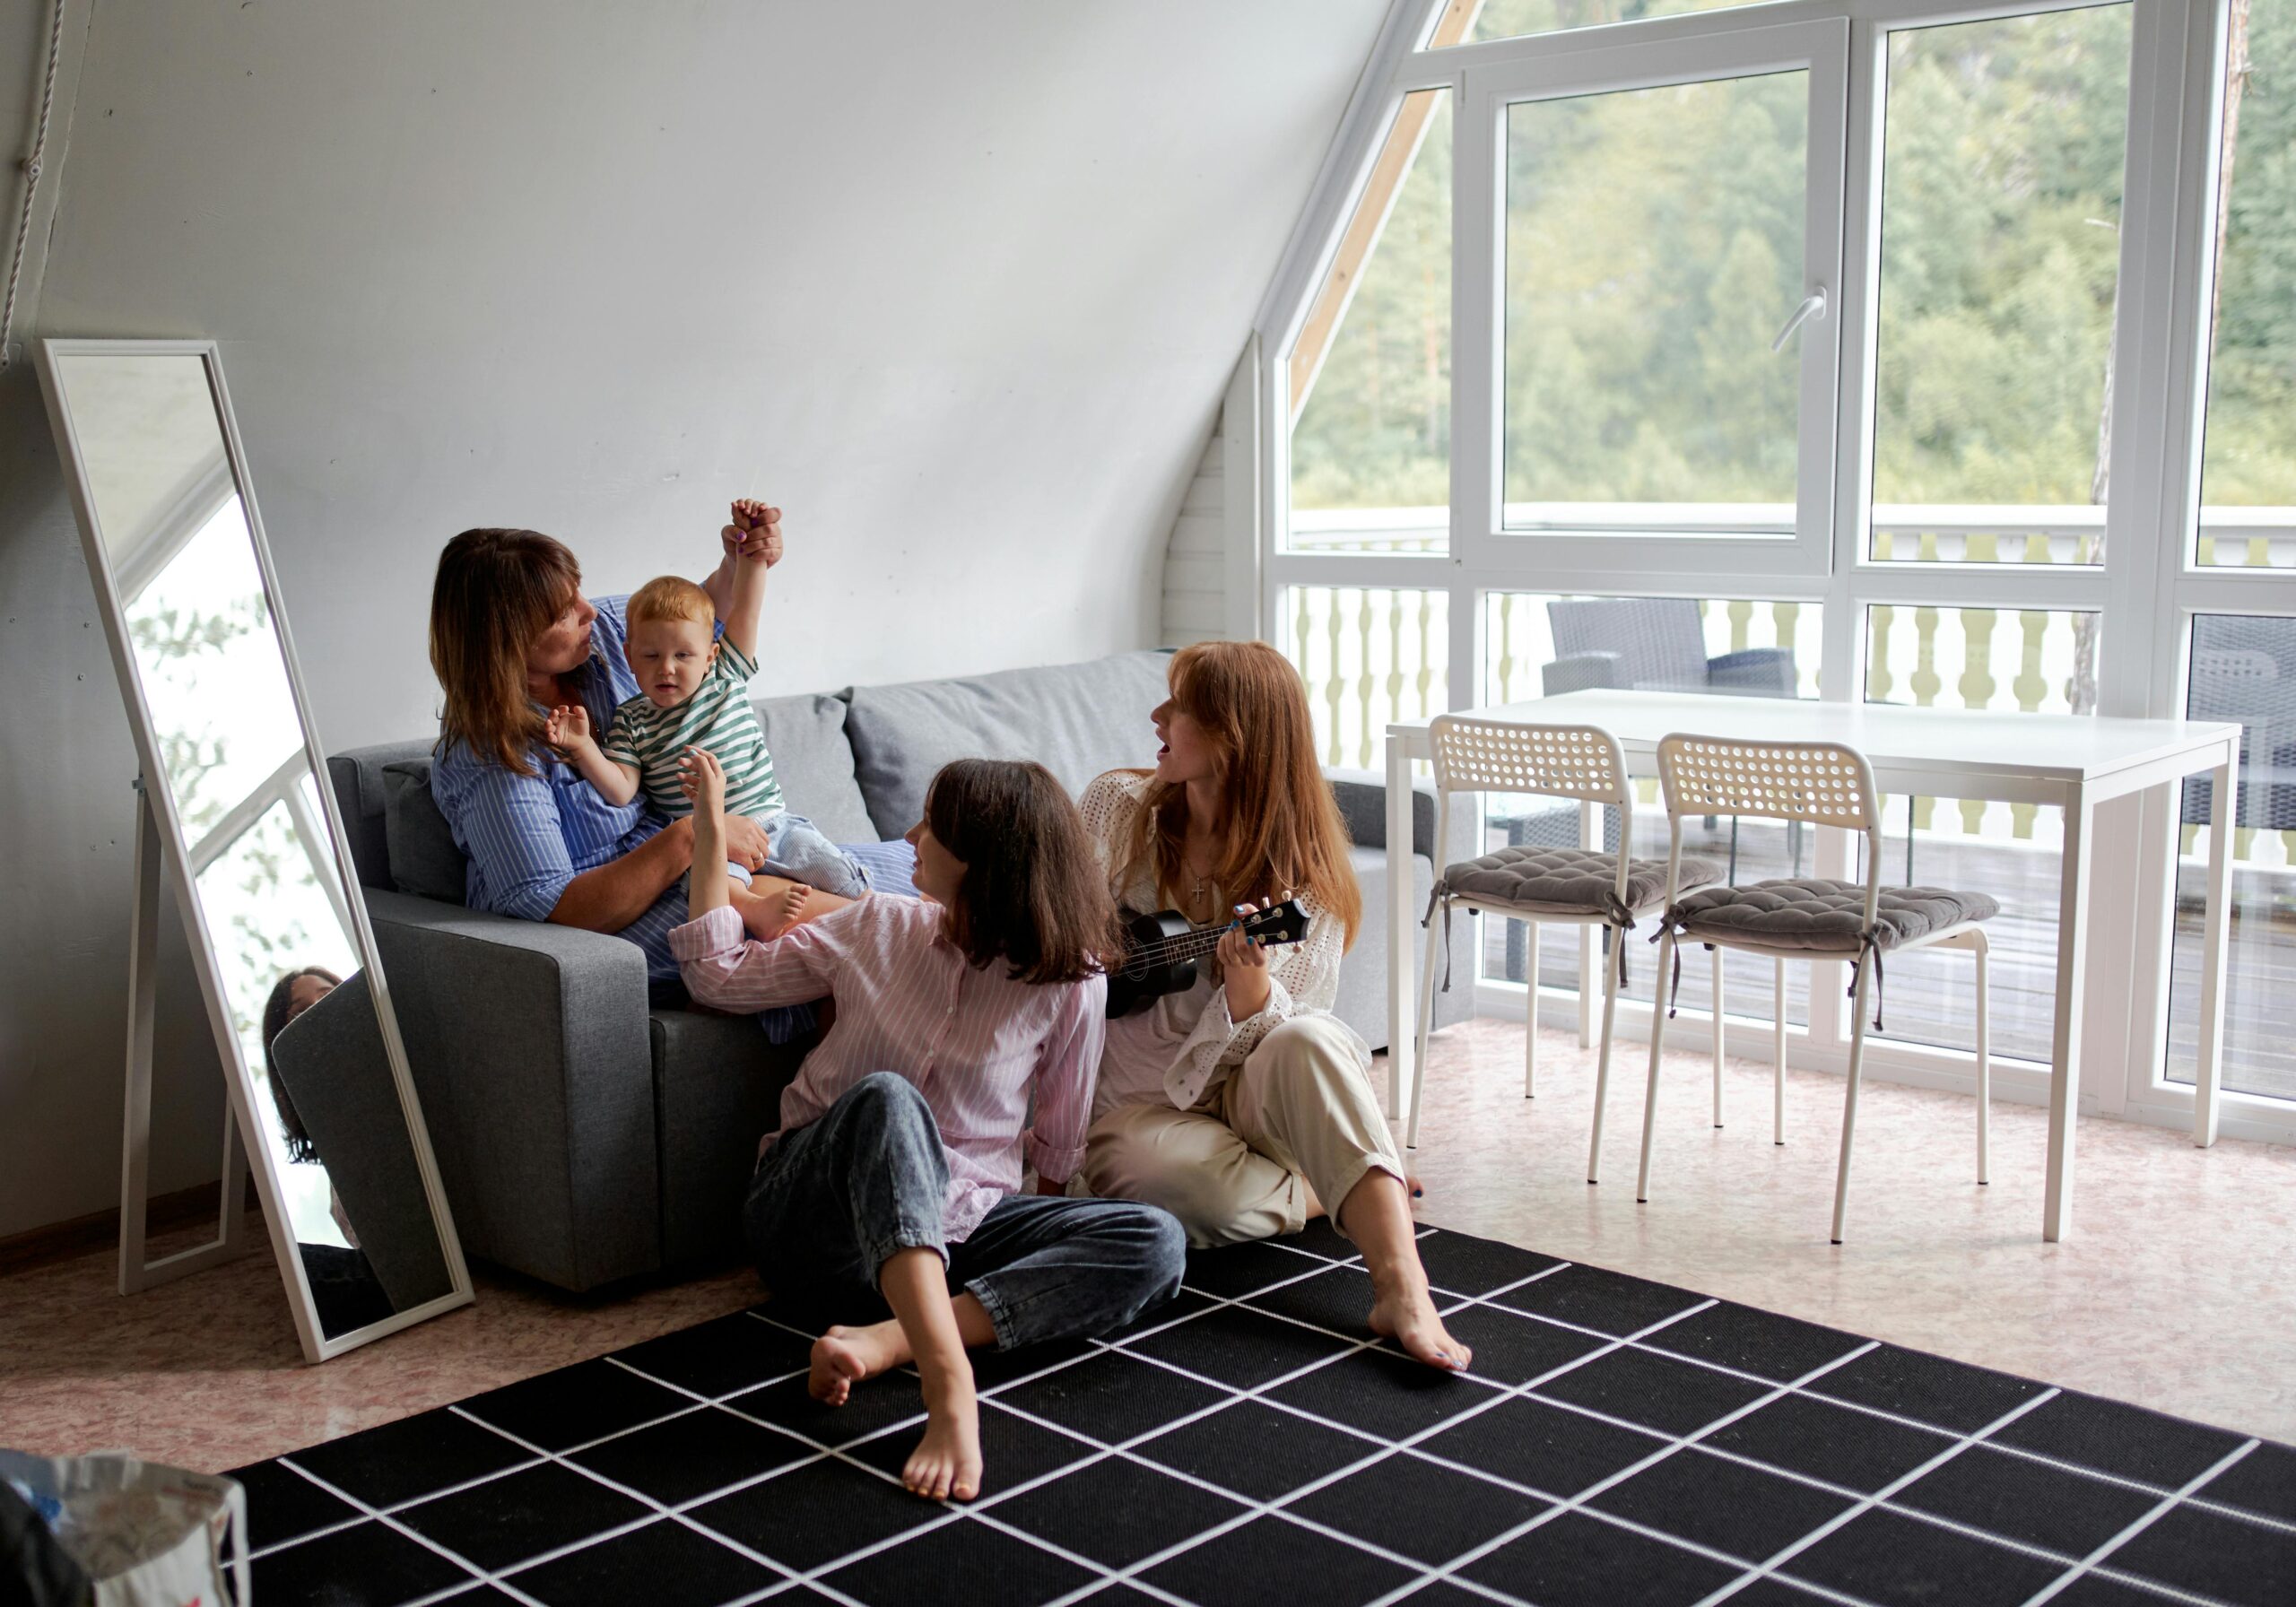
{"points": [[585, 1135]]}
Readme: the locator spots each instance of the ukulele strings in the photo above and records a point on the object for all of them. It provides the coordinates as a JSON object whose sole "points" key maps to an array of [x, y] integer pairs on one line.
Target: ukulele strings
{"points": [[1188, 945]]}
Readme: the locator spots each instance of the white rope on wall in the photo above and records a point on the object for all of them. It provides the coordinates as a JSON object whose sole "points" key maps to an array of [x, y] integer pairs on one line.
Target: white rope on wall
{"points": [[31, 165]]}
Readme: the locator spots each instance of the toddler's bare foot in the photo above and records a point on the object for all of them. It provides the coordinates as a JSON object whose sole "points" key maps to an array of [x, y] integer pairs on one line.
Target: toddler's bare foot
{"points": [[845, 1357], [795, 904], [1406, 1312], [946, 1462], [768, 915]]}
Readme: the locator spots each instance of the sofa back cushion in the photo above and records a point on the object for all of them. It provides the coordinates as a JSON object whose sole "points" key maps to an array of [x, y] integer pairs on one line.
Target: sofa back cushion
{"points": [[424, 859], [815, 764], [363, 801], [1076, 719]]}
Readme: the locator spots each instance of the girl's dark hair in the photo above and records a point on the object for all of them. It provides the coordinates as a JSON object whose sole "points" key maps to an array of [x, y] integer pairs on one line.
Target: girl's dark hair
{"points": [[277, 1011], [1034, 894], [496, 592]]}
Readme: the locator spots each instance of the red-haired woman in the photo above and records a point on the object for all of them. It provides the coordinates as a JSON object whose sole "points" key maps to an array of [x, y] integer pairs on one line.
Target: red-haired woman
{"points": [[1244, 1106]]}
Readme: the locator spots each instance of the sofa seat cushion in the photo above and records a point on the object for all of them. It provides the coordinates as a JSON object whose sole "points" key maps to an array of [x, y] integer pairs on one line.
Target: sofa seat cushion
{"points": [[1077, 720], [1568, 881], [424, 859], [1827, 916]]}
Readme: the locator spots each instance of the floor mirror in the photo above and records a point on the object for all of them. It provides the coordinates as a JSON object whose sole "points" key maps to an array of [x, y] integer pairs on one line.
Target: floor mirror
{"points": [[237, 825]]}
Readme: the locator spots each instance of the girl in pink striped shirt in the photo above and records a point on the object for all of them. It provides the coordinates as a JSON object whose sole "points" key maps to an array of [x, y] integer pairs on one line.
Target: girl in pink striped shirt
{"points": [[898, 1164]]}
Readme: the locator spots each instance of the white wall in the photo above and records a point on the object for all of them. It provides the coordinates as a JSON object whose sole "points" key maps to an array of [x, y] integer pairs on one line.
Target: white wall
{"points": [[1196, 558], [959, 286]]}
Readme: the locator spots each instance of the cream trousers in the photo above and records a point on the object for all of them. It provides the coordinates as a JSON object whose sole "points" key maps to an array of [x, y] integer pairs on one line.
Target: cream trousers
{"points": [[1299, 1108]]}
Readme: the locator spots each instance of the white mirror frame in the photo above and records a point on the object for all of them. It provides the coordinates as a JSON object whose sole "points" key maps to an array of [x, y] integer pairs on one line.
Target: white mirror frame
{"points": [[161, 829]]}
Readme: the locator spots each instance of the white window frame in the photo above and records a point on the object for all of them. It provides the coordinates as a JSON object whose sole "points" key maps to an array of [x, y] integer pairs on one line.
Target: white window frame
{"points": [[2148, 588]]}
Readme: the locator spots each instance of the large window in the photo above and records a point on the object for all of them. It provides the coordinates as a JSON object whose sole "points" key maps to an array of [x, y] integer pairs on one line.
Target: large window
{"points": [[2001, 181], [1370, 376], [2249, 472], [1914, 353], [1654, 247]]}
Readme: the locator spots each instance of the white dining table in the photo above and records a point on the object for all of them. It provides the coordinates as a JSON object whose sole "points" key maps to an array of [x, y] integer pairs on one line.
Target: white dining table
{"points": [[2071, 762]]}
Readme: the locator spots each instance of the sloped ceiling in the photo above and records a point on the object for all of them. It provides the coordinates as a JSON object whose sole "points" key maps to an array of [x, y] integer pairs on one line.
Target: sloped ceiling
{"points": [[958, 284]]}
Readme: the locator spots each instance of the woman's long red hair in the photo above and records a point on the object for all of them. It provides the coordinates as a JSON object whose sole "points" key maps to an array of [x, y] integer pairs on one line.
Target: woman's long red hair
{"points": [[1284, 833]]}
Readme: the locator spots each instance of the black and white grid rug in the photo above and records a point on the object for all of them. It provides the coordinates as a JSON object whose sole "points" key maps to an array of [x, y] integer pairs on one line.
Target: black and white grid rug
{"points": [[1619, 1442]]}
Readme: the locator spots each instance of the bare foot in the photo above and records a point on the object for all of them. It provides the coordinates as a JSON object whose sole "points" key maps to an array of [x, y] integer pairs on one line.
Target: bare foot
{"points": [[1406, 1315], [845, 1357], [764, 916], [946, 1462]]}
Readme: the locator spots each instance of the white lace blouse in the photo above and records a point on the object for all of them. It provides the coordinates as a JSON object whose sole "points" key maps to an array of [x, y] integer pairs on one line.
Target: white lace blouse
{"points": [[1181, 1045]]}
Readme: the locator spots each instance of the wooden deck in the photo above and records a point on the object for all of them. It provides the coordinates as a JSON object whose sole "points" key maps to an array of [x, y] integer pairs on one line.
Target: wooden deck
{"points": [[1931, 998]]}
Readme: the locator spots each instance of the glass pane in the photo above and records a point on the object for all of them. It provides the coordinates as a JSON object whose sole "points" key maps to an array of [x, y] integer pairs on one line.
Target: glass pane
{"points": [[1369, 656], [1653, 248], [2244, 669], [272, 915], [1371, 372], [1512, 18], [2000, 258], [2035, 661], [1537, 645], [2248, 486]]}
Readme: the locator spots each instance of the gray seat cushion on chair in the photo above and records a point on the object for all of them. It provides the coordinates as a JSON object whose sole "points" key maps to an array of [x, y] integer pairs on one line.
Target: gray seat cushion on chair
{"points": [[1568, 879], [1827, 916]]}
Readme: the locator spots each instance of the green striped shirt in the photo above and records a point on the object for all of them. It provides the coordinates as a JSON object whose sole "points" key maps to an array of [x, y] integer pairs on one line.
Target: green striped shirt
{"points": [[717, 717]]}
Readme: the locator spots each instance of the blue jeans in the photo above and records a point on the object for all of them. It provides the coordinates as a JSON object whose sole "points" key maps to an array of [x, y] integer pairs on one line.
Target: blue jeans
{"points": [[831, 1202], [797, 848]]}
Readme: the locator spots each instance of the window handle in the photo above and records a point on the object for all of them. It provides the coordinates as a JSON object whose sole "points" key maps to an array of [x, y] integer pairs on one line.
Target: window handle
{"points": [[1813, 306]]}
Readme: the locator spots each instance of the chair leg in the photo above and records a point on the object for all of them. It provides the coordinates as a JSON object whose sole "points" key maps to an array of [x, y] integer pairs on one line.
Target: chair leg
{"points": [[1586, 958], [1984, 1057], [1717, 1034], [1778, 1067], [1849, 1102], [1650, 1091], [1603, 1067], [1426, 1025], [1531, 1014]]}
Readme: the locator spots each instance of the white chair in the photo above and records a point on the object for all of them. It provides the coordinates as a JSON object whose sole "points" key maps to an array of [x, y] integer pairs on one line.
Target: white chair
{"points": [[1570, 887], [1821, 784]]}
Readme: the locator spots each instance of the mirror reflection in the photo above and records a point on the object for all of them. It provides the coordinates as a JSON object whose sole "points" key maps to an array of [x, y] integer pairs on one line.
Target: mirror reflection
{"points": [[238, 769]]}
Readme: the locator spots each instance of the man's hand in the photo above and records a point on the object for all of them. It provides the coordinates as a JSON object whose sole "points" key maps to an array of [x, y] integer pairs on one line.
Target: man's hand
{"points": [[568, 727], [755, 534]]}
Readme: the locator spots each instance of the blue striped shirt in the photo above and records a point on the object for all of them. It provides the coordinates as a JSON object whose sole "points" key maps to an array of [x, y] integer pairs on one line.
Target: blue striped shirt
{"points": [[528, 836]]}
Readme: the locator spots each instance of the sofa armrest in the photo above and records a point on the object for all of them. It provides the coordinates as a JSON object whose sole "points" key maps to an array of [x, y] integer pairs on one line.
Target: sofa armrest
{"points": [[1362, 796], [1758, 672], [1581, 671], [529, 1048]]}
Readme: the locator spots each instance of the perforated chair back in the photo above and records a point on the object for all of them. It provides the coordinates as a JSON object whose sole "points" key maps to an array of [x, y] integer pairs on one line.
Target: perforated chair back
{"points": [[1554, 761], [1820, 784], [1501, 756], [1823, 784]]}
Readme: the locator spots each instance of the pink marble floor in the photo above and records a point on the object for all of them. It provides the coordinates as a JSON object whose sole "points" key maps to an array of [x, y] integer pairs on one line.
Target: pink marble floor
{"points": [[2171, 1292]]}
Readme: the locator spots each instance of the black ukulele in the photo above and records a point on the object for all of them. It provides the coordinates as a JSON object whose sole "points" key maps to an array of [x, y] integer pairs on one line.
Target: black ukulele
{"points": [[1161, 951]]}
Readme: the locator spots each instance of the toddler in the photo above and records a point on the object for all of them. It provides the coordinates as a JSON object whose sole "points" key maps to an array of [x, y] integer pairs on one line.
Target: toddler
{"points": [[693, 692]]}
